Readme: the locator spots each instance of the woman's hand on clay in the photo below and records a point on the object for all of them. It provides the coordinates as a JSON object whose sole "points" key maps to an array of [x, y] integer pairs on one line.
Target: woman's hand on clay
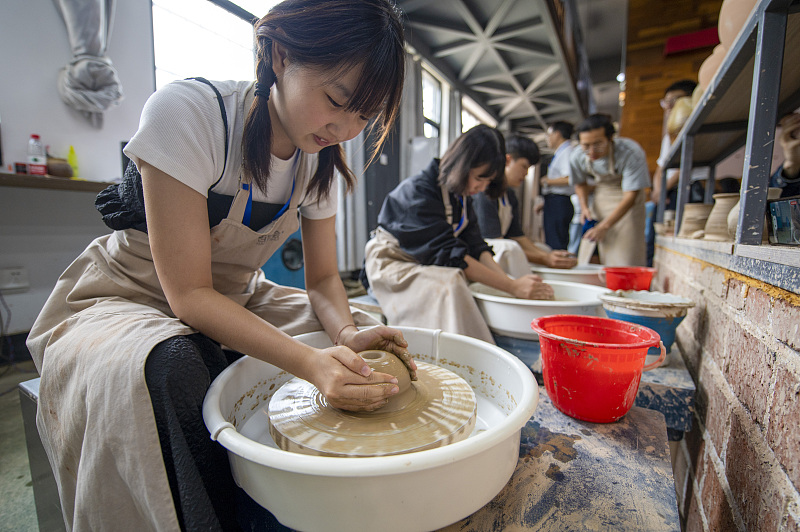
{"points": [[348, 383], [561, 259], [382, 338], [531, 287]]}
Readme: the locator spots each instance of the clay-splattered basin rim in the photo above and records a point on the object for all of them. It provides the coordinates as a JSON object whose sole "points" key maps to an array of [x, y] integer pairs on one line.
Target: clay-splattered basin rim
{"points": [[224, 432], [646, 300]]}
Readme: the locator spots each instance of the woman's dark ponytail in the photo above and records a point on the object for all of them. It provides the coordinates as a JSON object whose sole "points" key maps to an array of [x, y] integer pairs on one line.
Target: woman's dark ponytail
{"points": [[257, 139]]}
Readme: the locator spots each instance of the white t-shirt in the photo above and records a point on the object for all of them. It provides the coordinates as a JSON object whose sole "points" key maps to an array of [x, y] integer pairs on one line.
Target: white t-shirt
{"points": [[698, 174], [181, 133], [629, 161], [559, 167]]}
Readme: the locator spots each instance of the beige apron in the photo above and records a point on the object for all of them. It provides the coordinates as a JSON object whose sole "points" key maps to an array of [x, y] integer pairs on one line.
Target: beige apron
{"points": [[414, 295], [505, 213], [624, 243], [90, 344]]}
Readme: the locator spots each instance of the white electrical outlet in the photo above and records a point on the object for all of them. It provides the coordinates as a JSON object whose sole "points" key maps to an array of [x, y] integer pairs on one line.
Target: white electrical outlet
{"points": [[14, 279]]}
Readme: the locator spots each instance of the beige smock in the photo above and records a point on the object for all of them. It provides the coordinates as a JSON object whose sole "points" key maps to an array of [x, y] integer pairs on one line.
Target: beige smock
{"points": [[624, 243], [416, 295], [90, 344]]}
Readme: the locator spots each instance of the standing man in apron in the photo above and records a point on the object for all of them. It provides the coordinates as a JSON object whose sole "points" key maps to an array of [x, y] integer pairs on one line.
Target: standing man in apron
{"points": [[619, 167], [501, 222], [131, 337], [428, 246]]}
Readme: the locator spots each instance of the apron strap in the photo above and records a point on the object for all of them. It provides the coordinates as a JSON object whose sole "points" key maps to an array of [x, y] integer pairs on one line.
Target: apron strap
{"points": [[448, 212]]}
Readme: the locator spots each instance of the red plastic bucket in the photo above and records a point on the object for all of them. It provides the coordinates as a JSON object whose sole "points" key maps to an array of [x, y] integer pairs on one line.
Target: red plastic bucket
{"points": [[592, 366], [628, 277]]}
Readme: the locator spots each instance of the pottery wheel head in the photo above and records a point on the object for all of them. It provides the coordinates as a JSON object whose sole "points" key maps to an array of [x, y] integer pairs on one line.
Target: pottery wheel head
{"points": [[437, 409]]}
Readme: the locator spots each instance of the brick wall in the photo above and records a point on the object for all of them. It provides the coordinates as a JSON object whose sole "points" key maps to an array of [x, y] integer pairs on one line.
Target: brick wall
{"points": [[739, 466]]}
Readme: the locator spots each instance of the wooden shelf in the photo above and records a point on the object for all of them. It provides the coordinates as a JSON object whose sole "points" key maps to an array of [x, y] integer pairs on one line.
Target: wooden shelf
{"points": [[50, 182]]}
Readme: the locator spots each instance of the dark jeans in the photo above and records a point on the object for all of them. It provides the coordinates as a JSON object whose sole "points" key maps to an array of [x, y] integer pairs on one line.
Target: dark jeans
{"points": [[558, 212], [178, 373]]}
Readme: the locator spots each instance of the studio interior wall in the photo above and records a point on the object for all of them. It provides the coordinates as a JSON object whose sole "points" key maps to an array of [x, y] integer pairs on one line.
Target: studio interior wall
{"points": [[44, 230]]}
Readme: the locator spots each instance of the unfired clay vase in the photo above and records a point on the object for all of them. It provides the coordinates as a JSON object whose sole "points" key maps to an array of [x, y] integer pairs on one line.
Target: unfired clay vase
{"points": [[437, 409], [710, 66], [732, 16], [733, 215], [694, 218], [717, 224]]}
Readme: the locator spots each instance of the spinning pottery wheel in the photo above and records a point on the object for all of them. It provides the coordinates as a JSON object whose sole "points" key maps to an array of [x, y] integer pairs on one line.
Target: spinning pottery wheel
{"points": [[437, 409]]}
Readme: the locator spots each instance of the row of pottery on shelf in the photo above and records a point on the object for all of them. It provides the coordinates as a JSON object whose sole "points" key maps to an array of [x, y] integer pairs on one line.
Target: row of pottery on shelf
{"points": [[717, 221]]}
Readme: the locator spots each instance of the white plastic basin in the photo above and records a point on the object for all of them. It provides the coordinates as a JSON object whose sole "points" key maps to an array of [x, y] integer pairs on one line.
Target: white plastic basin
{"points": [[584, 274], [416, 491], [508, 316]]}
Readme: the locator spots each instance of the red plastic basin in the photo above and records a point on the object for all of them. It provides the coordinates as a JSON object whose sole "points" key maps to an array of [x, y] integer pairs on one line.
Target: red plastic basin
{"points": [[592, 366], [628, 277]]}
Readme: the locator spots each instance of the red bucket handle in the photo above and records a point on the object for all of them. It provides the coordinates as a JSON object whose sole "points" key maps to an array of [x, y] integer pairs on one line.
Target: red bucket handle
{"points": [[661, 358]]}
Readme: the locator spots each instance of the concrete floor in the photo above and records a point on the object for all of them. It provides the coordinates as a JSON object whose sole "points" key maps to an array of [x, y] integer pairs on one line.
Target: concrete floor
{"points": [[17, 508]]}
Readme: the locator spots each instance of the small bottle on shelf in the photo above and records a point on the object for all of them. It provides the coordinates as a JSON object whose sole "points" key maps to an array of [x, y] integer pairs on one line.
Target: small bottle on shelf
{"points": [[37, 158]]}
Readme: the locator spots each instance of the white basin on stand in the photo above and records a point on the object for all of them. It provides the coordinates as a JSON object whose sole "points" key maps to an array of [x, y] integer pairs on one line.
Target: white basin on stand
{"points": [[425, 490], [507, 315]]}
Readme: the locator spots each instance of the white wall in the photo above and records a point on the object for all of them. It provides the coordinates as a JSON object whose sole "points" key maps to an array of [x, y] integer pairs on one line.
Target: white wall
{"points": [[33, 49], [44, 230]]}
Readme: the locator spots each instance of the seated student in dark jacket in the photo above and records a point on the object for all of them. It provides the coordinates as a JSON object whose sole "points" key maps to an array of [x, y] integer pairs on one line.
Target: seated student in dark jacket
{"points": [[428, 245], [787, 177], [500, 218]]}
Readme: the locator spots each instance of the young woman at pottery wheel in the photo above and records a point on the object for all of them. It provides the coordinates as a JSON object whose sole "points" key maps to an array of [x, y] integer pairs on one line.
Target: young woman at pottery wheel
{"points": [[428, 244], [129, 341]]}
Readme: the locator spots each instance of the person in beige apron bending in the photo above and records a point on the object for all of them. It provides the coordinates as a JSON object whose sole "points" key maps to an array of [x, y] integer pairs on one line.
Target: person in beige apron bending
{"points": [[428, 245], [500, 219], [130, 339], [619, 167]]}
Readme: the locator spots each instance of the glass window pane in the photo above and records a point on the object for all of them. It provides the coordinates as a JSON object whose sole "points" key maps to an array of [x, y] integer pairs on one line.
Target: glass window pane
{"points": [[194, 38], [259, 8], [468, 120], [430, 131], [431, 98]]}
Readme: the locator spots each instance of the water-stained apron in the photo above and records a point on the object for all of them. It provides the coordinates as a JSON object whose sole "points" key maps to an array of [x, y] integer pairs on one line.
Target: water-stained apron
{"points": [[415, 295], [624, 243], [90, 344]]}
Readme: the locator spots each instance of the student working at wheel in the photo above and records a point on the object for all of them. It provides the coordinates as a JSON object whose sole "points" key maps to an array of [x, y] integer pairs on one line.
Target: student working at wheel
{"points": [[428, 246], [500, 220], [129, 340]]}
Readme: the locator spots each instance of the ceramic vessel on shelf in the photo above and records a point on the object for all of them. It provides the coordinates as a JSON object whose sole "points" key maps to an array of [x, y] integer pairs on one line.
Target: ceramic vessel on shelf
{"points": [[717, 224], [679, 115], [733, 215], [694, 218], [697, 94], [710, 66], [732, 16]]}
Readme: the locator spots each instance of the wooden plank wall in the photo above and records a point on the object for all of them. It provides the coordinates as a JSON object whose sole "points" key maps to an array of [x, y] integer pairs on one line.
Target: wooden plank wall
{"points": [[648, 73]]}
